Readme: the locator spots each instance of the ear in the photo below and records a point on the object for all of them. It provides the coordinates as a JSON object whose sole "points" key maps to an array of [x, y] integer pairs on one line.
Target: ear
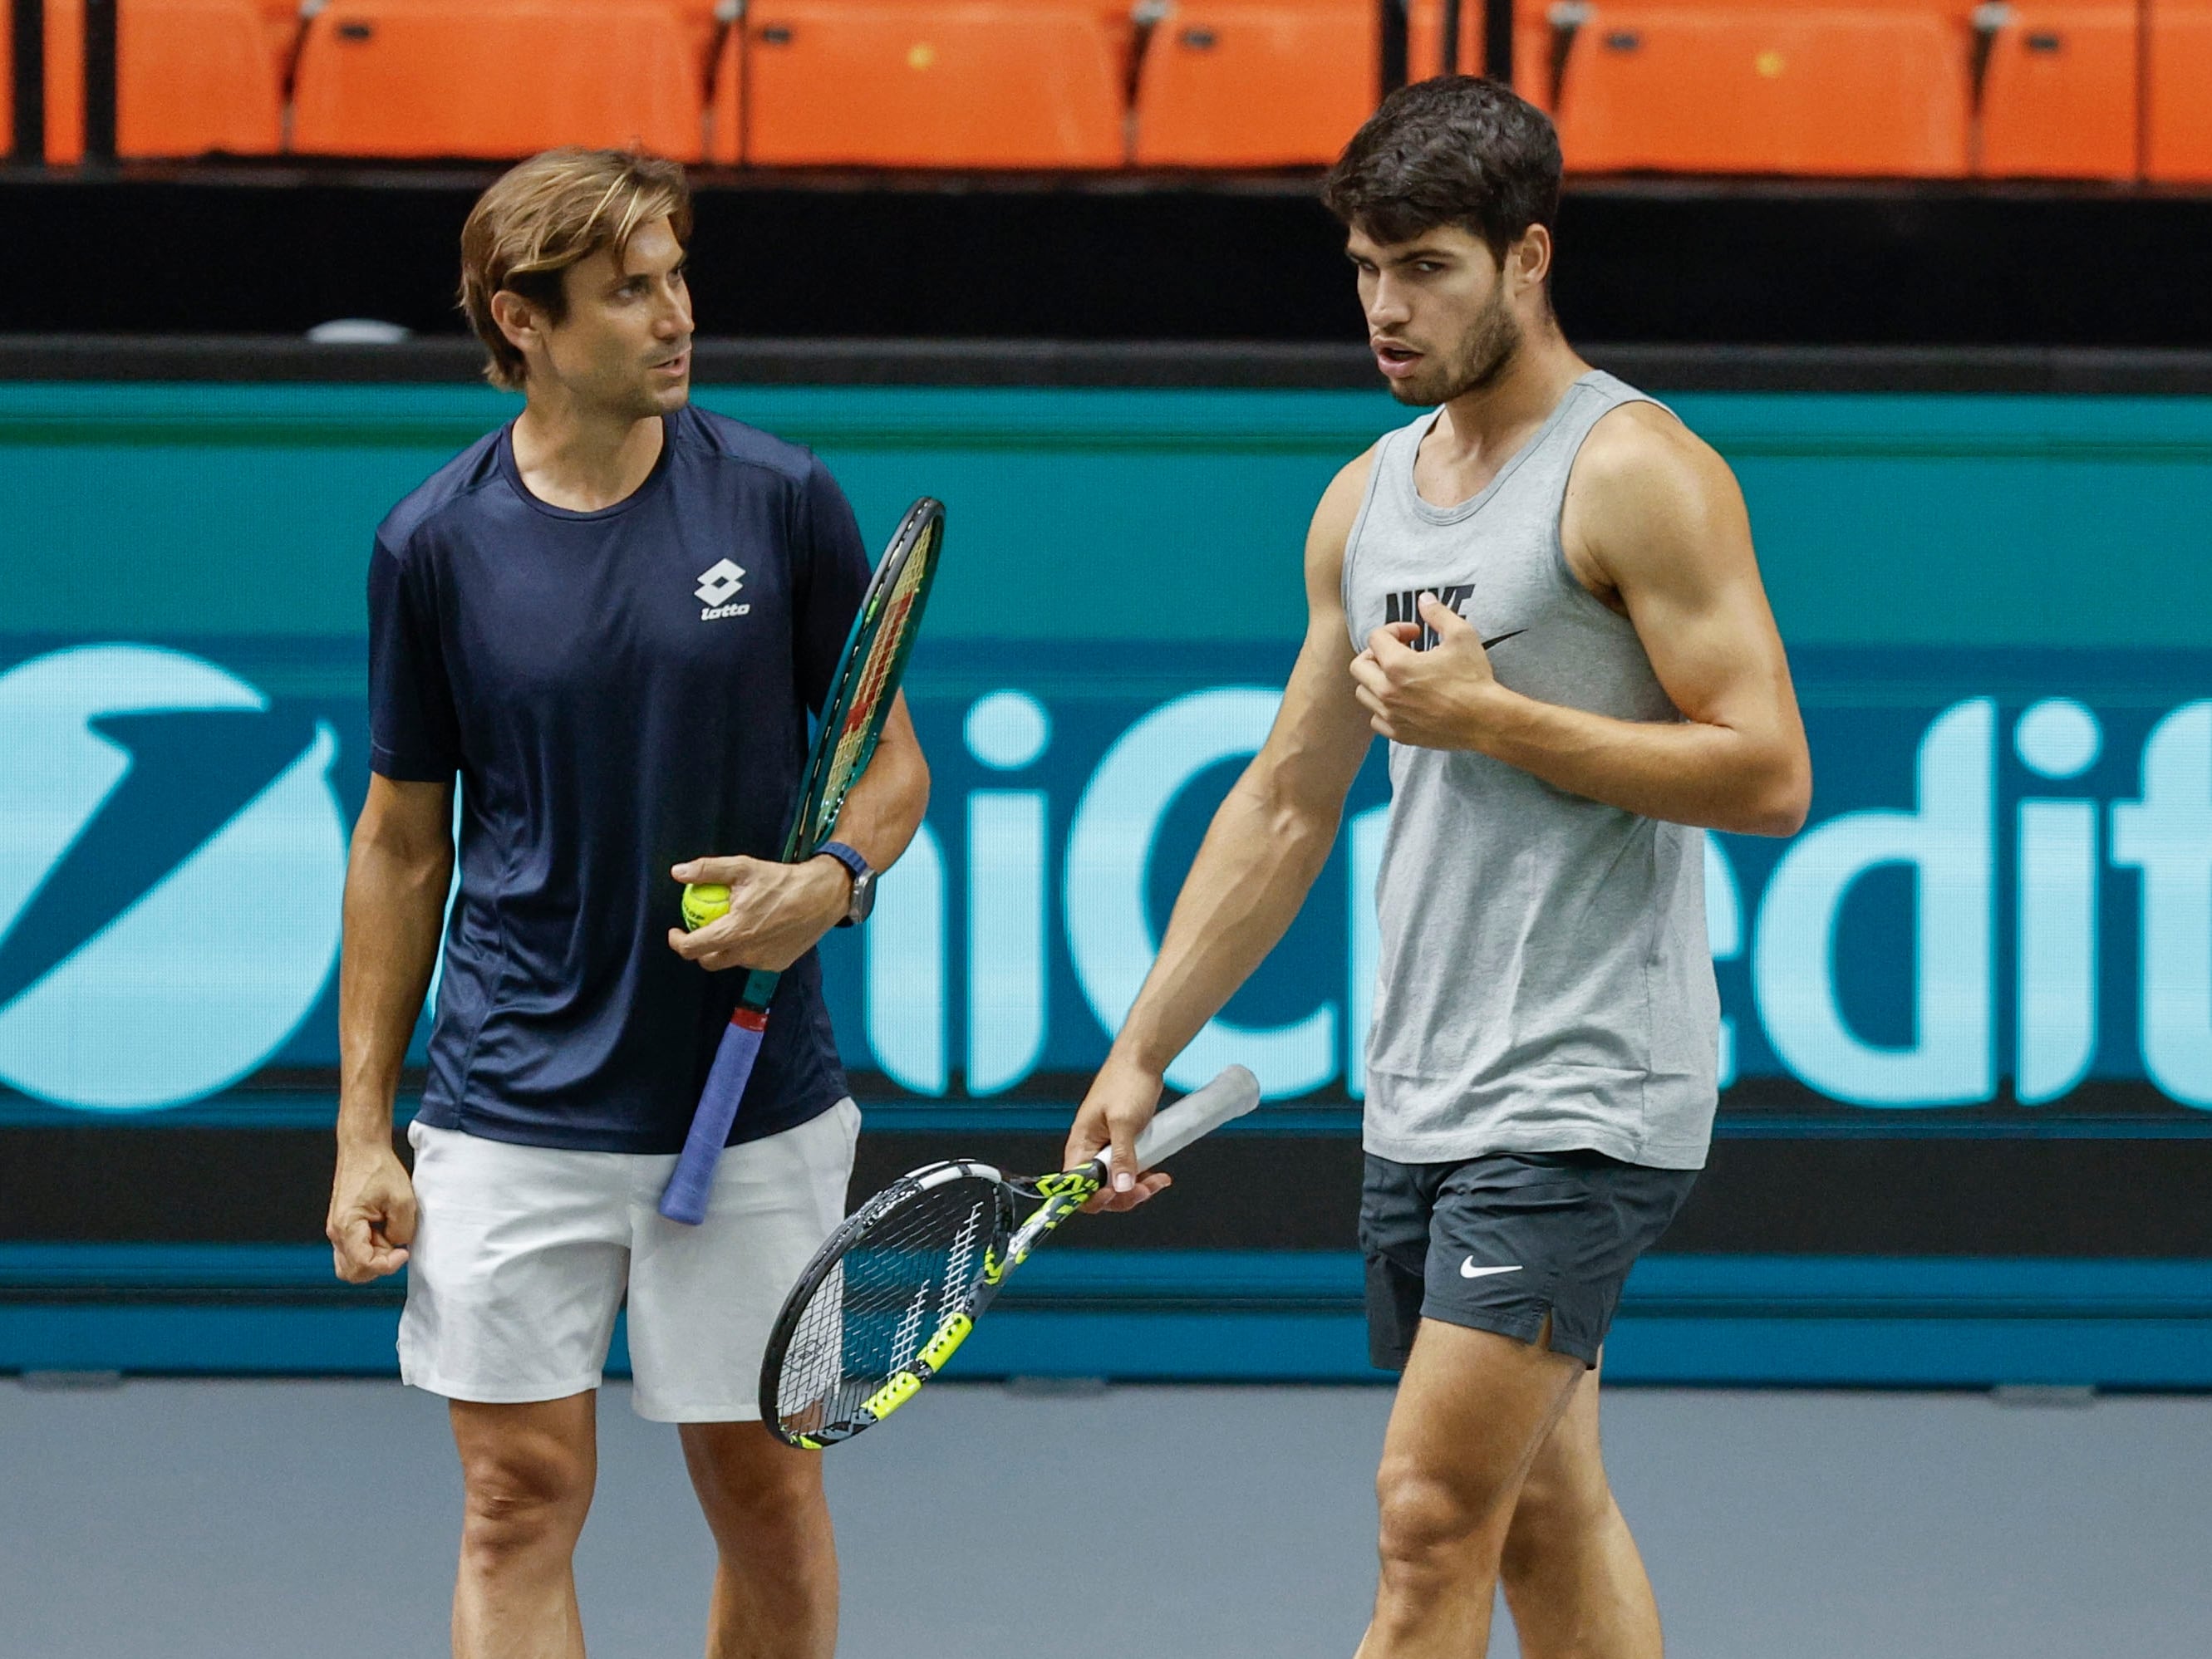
{"points": [[1530, 259], [517, 318]]}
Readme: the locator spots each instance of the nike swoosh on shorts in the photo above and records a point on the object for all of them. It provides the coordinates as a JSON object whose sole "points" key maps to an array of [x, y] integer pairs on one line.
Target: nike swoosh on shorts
{"points": [[1468, 1270]]}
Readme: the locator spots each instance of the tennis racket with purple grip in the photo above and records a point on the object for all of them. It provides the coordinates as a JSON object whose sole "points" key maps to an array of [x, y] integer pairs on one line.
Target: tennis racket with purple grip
{"points": [[861, 699]]}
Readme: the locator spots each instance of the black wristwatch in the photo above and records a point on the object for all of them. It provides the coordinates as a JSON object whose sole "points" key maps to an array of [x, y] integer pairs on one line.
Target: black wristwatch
{"points": [[864, 882]]}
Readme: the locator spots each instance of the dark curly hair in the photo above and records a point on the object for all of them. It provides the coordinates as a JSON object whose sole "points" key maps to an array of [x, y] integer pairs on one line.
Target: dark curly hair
{"points": [[1454, 150]]}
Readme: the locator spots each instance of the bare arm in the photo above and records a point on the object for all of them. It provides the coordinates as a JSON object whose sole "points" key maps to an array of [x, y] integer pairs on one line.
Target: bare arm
{"points": [[397, 878], [778, 912], [1654, 526], [1266, 844]]}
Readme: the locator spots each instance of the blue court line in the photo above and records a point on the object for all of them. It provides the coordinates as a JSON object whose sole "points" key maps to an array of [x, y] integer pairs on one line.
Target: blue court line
{"points": [[1249, 1347], [1675, 1286]]}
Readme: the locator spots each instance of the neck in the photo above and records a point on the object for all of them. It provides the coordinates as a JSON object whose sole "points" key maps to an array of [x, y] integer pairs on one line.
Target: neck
{"points": [[1522, 396], [580, 458]]}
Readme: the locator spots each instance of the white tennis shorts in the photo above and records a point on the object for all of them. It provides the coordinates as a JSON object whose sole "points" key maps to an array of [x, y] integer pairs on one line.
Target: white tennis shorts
{"points": [[523, 1255]]}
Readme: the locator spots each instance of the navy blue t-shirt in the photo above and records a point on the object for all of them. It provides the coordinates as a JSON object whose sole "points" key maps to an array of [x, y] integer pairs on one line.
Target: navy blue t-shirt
{"points": [[618, 691]]}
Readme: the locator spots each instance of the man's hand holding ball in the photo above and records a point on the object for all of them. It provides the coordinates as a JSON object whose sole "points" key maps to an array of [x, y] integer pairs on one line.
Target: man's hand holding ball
{"points": [[757, 913]]}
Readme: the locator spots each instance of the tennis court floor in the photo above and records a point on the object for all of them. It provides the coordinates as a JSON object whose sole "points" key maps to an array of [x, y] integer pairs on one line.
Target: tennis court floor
{"points": [[240, 1520]]}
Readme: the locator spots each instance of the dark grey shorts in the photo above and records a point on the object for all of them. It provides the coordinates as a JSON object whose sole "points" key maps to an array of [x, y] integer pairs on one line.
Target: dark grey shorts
{"points": [[1500, 1243]]}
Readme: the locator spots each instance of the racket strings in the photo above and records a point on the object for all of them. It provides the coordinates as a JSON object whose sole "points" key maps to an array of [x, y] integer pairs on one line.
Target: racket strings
{"points": [[884, 1299], [864, 720]]}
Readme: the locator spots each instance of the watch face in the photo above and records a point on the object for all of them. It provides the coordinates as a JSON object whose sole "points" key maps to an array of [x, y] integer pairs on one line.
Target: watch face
{"points": [[863, 897]]}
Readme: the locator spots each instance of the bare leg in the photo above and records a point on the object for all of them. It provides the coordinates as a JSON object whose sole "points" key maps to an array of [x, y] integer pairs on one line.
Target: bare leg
{"points": [[775, 1585], [1472, 1412], [526, 1476], [1572, 1575]]}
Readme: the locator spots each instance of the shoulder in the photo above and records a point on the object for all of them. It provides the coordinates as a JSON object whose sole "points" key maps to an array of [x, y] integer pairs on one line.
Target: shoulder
{"points": [[1339, 509], [451, 485], [1648, 499], [721, 440], [1334, 519], [1640, 456]]}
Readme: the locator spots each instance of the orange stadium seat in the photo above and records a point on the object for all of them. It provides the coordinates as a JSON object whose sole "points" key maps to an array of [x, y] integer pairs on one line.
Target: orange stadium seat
{"points": [[1532, 39], [1533, 35], [2179, 131], [497, 78], [1720, 86], [955, 83], [195, 77], [64, 80], [1240, 83], [1424, 39], [726, 103], [280, 21], [2057, 93]]}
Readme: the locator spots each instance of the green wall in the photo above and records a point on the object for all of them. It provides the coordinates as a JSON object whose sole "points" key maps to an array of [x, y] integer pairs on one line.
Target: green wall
{"points": [[1890, 519]]}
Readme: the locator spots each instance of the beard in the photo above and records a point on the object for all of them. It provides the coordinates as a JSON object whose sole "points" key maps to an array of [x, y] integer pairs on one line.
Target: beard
{"points": [[1484, 352]]}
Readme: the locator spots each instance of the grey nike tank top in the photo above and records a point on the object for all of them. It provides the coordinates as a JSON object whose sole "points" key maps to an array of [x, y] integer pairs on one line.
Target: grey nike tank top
{"points": [[1543, 979]]}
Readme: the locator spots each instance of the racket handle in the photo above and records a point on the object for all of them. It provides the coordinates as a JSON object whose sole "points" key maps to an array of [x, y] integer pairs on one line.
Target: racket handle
{"points": [[1233, 1093], [685, 1198]]}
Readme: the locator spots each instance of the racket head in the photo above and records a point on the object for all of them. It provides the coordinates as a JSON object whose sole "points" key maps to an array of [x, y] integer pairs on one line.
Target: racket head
{"points": [[868, 672], [878, 1297]]}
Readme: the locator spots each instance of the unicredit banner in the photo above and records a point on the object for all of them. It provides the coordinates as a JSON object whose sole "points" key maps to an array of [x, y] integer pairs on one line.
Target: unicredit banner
{"points": [[1999, 609], [2005, 887]]}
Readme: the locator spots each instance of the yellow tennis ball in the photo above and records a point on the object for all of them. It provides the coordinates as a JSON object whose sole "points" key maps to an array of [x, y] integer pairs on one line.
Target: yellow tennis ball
{"points": [[702, 902]]}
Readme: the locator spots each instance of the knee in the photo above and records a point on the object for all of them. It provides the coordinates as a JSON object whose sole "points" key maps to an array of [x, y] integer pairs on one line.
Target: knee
{"points": [[759, 1498], [771, 1513], [522, 1498], [1429, 1524]]}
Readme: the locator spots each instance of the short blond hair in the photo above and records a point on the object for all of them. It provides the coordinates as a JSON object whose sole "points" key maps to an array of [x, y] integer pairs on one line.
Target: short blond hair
{"points": [[549, 213]]}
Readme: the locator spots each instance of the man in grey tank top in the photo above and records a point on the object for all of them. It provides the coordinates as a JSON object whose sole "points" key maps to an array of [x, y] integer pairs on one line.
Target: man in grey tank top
{"points": [[1543, 594]]}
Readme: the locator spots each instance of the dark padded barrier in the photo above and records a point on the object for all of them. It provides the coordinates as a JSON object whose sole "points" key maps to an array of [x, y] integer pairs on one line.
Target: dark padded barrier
{"points": [[1227, 363], [238, 247]]}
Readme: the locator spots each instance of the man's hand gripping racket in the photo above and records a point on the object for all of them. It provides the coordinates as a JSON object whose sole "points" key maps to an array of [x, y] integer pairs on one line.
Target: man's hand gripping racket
{"points": [[892, 1294], [851, 719]]}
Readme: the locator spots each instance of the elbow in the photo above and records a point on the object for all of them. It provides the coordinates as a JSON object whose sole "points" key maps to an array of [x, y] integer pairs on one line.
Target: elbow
{"points": [[1302, 830], [914, 790], [1290, 805], [1780, 805]]}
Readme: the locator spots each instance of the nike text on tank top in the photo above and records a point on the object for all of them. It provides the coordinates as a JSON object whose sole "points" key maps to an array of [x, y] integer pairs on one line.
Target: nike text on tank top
{"points": [[1543, 978]]}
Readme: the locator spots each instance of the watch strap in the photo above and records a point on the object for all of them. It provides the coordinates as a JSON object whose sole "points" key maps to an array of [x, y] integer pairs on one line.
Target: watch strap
{"points": [[847, 856], [862, 873]]}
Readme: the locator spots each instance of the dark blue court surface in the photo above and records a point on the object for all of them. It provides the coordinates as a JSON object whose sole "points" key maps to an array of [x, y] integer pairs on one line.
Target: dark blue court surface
{"points": [[219, 1519]]}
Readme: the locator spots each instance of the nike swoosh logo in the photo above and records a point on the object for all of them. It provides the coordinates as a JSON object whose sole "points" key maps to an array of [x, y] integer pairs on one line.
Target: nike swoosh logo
{"points": [[1468, 1270], [1502, 638]]}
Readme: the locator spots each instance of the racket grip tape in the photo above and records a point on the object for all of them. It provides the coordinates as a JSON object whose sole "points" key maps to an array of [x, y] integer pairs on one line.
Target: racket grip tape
{"points": [[1233, 1093], [684, 1198]]}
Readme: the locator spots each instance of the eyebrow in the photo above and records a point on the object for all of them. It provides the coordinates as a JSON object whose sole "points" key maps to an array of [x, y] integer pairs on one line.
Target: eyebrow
{"points": [[624, 278], [1420, 251]]}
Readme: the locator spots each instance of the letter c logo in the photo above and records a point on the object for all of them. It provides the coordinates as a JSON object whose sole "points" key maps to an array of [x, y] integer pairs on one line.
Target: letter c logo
{"points": [[1109, 847]]}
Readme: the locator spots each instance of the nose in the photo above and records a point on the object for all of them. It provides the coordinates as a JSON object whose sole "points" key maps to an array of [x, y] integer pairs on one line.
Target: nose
{"points": [[1385, 305], [675, 320]]}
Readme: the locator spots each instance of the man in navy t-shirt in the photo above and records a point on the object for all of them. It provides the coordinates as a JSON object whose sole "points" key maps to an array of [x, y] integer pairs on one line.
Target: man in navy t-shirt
{"points": [[610, 621]]}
